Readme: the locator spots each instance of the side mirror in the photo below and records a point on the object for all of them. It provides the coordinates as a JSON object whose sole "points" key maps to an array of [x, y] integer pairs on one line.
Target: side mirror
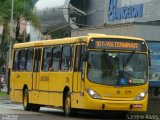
{"points": [[85, 56]]}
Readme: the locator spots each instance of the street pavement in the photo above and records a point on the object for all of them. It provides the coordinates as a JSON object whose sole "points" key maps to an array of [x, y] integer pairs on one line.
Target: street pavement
{"points": [[16, 112]]}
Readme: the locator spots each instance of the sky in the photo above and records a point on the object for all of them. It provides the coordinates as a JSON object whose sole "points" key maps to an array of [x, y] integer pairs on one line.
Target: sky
{"points": [[49, 3]]}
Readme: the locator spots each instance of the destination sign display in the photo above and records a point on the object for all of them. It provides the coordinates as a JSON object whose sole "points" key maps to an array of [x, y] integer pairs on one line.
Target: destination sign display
{"points": [[118, 44]]}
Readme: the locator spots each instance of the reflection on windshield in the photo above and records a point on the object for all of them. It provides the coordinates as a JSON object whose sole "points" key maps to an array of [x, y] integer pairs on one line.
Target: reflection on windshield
{"points": [[113, 68]]}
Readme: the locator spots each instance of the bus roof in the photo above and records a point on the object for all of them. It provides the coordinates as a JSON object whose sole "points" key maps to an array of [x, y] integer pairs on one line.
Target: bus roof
{"points": [[70, 40]]}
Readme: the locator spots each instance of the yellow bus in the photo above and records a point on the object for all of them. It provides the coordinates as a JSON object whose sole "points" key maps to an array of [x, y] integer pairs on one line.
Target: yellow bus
{"points": [[94, 72]]}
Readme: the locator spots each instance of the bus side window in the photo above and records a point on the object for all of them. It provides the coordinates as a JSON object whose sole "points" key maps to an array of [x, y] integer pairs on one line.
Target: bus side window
{"points": [[29, 60], [56, 58], [37, 60], [66, 58], [22, 60], [15, 61], [46, 59]]}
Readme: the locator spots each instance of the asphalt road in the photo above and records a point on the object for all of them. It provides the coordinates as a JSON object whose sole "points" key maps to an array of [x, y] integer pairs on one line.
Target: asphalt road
{"points": [[10, 111], [16, 112]]}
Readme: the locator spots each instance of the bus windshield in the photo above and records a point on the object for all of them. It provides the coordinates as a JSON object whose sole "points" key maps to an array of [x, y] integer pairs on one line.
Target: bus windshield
{"points": [[115, 68]]}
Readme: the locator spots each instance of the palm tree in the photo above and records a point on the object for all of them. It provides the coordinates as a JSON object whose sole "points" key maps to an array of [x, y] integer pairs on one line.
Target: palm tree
{"points": [[23, 10], [4, 21]]}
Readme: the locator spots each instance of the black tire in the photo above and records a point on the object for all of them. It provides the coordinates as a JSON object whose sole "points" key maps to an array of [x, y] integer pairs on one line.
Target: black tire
{"points": [[35, 108], [26, 105], [68, 110]]}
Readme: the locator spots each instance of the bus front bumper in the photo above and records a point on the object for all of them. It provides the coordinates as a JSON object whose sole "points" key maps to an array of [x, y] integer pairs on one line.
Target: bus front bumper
{"points": [[120, 105]]}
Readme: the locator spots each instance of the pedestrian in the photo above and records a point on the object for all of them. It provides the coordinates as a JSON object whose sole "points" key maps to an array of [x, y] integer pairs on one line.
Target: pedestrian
{"points": [[2, 81]]}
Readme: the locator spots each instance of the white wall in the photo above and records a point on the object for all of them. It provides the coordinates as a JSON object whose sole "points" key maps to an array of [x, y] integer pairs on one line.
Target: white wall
{"points": [[148, 32], [35, 35]]}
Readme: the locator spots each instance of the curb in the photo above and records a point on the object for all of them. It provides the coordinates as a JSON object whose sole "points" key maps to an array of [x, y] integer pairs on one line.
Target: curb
{"points": [[4, 99]]}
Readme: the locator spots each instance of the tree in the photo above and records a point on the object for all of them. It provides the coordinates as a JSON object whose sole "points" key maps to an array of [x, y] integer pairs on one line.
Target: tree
{"points": [[23, 10], [4, 21]]}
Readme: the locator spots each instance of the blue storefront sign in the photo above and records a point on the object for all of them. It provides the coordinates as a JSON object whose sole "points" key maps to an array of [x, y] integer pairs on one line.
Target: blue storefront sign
{"points": [[155, 64], [126, 12]]}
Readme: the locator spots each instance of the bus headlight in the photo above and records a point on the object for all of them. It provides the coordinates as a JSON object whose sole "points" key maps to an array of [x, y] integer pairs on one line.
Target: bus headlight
{"points": [[93, 94], [141, 96]]}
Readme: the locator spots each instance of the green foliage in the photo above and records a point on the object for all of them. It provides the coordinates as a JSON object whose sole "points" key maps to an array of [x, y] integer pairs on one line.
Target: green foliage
{"points": [[5, 6], [23, 10], [4, 46], [4, 95]]}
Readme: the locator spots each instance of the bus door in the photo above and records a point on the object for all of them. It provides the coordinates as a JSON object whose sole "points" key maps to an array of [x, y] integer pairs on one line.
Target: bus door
{"points": [[36, 74], [78, 72]]}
